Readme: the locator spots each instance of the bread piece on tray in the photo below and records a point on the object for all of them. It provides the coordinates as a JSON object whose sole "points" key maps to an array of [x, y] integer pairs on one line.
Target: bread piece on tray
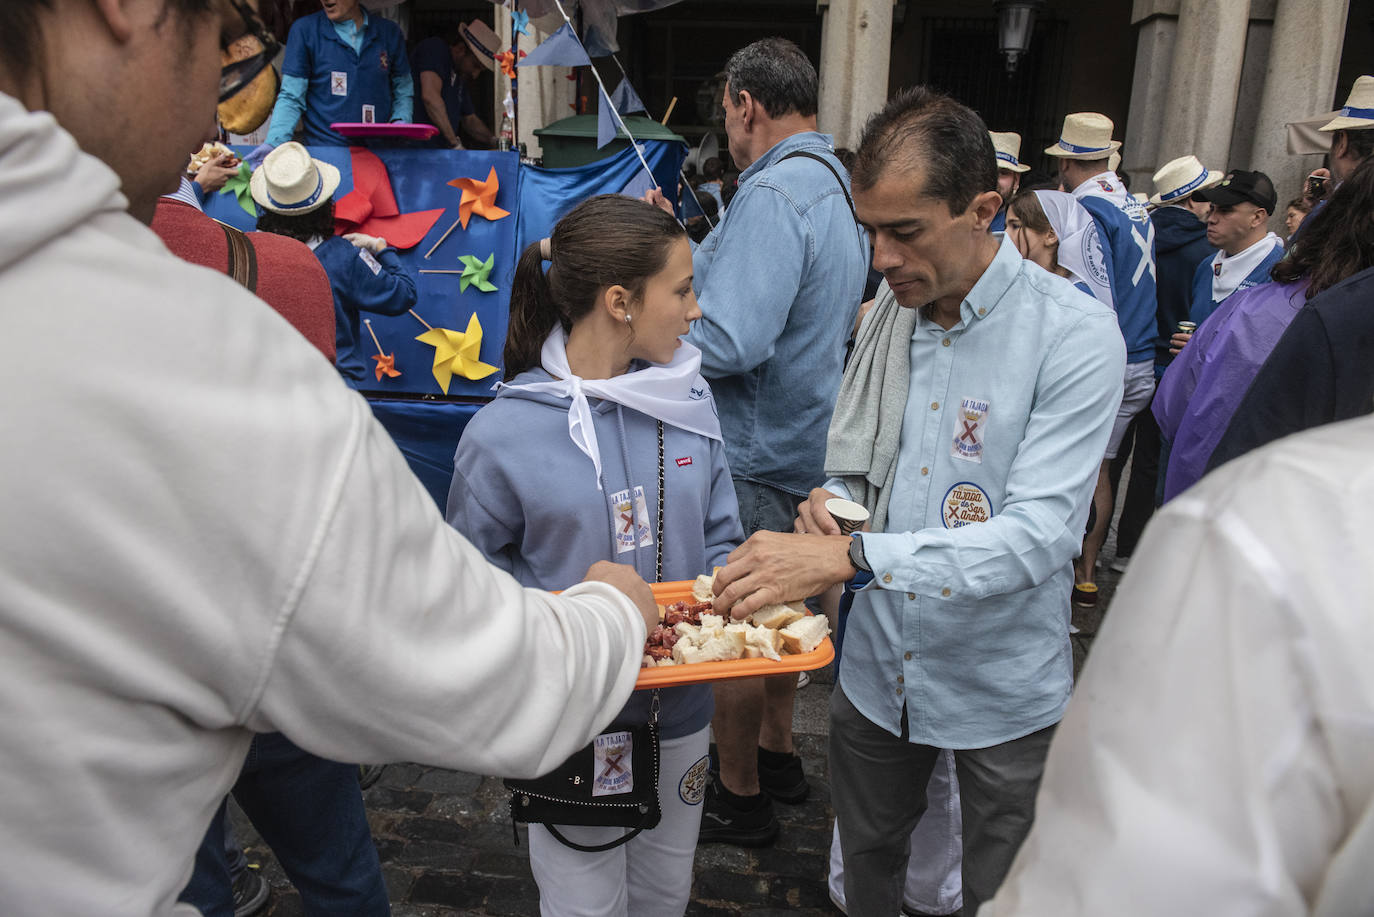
{"points": [[805, 634]]}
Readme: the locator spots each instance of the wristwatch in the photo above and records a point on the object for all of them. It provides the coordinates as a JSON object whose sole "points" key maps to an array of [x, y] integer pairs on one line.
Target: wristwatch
{"points": [[856, 553], [863, 572]]}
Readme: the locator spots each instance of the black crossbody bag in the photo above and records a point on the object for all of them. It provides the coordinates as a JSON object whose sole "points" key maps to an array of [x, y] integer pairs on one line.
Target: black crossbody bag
{"points": [[565, 795]]}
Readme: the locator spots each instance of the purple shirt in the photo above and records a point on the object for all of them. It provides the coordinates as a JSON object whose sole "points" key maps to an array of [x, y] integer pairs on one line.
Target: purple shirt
{"points": [[1202, 387]]}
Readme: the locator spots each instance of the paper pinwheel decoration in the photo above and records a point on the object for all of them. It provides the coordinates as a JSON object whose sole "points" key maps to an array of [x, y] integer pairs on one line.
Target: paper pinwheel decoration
{"points": [[520, 22], [476, 273], [507, 61], [456, 353], [479, 197], [238, 185], [370, 208], [386, 362]]}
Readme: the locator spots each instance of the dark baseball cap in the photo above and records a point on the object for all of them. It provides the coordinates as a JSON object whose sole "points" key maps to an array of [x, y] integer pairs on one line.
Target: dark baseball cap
{"points": [[1250, 187]]}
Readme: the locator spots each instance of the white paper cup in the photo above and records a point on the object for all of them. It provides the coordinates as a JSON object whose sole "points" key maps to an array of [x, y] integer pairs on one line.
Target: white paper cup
{"points": [[850, 515]]}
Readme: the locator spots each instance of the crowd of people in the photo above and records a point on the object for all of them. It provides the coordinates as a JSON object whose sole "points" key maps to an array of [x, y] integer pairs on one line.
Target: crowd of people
{"points": [[221, 578]]}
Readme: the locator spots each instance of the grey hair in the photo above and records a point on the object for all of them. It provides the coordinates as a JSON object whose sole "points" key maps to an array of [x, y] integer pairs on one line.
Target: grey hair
{"points": [[777, 74]]}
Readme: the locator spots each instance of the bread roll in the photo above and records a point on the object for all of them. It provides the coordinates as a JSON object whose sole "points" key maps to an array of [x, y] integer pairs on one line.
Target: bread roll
{"points": [[805, 634]]}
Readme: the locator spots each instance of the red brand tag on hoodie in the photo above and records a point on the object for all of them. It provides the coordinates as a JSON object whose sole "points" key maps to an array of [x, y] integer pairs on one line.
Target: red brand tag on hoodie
{"points": [[684, 461]]}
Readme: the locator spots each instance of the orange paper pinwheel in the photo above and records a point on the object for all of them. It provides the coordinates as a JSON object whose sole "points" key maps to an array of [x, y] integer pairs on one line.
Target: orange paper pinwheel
{"points": [[507, 61], [479, 197], [386, 363]]}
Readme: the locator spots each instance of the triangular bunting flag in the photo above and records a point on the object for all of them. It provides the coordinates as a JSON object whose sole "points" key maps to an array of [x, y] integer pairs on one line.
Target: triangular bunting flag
{"points": [[561, 49]]}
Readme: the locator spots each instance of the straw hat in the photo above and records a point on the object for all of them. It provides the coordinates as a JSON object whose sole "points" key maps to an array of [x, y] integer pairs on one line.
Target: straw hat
{"points": [[482, 42], [1008, 147], [1358, 113], [290, 182], [1180, 177], [1086, 135]]}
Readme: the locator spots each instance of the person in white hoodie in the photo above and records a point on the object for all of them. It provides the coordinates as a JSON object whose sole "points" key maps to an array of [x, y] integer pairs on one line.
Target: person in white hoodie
{"points": [[206, 534]]}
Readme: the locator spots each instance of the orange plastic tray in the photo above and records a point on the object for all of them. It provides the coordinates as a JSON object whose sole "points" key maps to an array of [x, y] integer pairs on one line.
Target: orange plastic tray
{"points": [[695, 673]]}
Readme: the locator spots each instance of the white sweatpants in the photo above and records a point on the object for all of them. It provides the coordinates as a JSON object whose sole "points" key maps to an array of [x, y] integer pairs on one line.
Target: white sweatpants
{"points": [[651, 876], [934, 877]]}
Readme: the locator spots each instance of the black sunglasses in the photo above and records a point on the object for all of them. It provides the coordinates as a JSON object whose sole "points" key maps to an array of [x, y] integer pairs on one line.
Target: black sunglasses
{"points": [[233, 77]]}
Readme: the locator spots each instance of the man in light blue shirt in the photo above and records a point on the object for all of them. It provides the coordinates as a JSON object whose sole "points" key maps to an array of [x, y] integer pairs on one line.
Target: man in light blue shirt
{"points": [[341, 65], [780, 280], [971, 423]]}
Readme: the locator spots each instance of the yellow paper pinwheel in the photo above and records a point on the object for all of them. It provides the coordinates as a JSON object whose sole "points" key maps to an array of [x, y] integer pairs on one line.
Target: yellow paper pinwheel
{"points": [[456, 353]]}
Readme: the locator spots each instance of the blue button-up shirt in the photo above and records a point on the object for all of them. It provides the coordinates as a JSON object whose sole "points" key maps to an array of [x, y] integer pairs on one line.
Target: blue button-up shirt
{"points": [[331, 70], [780, 280], [1007, 417]]}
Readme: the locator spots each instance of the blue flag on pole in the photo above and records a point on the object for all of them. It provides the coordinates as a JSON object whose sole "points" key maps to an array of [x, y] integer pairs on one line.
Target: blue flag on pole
{"points": [[561, 49]]}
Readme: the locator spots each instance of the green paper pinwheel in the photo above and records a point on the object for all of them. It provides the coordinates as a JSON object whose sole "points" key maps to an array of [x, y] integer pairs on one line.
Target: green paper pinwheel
{"points": [[239, 187], [476, 272]]}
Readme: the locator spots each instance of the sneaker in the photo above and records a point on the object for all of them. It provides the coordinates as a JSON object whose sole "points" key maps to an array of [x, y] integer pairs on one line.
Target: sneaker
{"points": [[250, 893], [803, 679], [1085, 595], [1119, 564], [785, 783], [369, 774], [722, 823]]}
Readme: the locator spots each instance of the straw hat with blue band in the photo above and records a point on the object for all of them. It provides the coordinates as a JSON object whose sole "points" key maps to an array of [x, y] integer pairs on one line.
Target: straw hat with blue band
{"points": [[1086, 135], [1358, 113], [1008, 147], [289, 181], [482, 42], [1179, 178]]}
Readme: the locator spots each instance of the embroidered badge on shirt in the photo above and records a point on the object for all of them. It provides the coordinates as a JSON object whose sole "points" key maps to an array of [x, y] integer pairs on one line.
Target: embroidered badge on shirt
{"points": [[969, 425], [691, 789], [386, 61], [965, 503], [370, 261], [684, 461], [338, 82], [631, 521], [613, 764]]}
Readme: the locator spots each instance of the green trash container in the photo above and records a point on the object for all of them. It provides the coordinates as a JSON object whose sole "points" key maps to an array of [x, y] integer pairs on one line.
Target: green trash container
{"points": [[571, 142]]}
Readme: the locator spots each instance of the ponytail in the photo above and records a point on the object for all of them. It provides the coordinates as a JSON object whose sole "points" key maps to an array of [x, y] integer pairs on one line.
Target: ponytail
{"points": [[606, 240], [533, 314]]}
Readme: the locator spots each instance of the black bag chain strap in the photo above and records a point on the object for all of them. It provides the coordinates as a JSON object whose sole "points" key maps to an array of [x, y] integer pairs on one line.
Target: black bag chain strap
{"points": [[653, 704]]}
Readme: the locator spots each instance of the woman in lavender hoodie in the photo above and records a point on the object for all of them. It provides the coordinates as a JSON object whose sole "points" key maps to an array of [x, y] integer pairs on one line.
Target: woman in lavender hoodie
{"points": [[602, 404]]}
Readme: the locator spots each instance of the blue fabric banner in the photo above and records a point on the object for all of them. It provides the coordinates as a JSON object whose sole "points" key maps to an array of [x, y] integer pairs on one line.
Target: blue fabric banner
{"points": [[547, 194]]}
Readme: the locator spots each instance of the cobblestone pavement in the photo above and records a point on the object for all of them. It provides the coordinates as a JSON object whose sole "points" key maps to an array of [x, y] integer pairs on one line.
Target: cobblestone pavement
{"points": [[445, 838]]}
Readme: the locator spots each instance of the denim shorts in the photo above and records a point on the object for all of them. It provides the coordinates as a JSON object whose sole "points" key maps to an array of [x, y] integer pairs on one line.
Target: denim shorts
{"points": [[765, 508]]}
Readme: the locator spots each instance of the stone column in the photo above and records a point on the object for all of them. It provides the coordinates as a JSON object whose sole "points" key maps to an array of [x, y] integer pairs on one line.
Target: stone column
{"points": [[1154, 56], [1300, 81], [1204, 79], [856, 43]]}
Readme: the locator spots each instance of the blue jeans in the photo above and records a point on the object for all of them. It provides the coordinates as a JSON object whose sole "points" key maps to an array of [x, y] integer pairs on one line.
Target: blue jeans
{"points": [[765, 509], [310, 812]]}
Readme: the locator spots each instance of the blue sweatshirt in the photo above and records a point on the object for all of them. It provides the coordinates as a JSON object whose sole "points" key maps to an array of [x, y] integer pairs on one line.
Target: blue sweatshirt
{"points": [[1128, 244], [526, 496], [361, 282]]}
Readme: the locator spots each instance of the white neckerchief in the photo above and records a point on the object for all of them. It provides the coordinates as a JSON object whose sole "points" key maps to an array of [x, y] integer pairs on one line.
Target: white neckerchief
{"points": [[1080, 247], [672, 392], [1235, 268]]}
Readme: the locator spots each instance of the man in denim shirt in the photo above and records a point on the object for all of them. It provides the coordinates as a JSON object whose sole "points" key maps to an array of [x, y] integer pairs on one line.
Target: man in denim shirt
{"points": [[971, 422], [779, 281]]}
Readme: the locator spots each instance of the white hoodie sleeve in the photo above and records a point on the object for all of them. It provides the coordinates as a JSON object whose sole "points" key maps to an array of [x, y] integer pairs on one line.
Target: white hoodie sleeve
{"points": [[407, 644]]}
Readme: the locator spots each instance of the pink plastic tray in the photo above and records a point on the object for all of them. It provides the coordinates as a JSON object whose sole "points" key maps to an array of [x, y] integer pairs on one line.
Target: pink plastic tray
{"points": [[401, 130]]}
